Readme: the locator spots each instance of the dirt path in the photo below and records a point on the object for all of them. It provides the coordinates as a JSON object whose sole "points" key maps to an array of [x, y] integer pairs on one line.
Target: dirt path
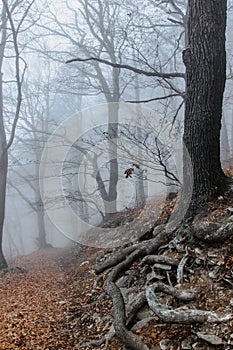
{"points": [[34, 304], [57, 303]]}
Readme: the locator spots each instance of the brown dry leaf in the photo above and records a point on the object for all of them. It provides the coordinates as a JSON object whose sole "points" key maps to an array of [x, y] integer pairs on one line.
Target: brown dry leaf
{"points": [[229, 263], [154, 335], [139, 331], [128, 172], [32, 315]]}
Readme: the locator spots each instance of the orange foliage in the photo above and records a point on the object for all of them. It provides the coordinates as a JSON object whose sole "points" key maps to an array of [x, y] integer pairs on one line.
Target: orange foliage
{"points": [[229, 171]]}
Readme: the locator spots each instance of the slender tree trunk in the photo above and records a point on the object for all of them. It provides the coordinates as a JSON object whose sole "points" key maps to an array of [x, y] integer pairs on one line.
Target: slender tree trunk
{"points": [[110, 195], [111, 205], [42, 242], [140, 193], [41, 239], [225, 147], [205, 60], [3, 176], [3, 144]]}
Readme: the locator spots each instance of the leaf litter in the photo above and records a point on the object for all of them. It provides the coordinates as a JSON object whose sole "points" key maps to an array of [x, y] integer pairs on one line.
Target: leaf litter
{"points": [[55, 301]]}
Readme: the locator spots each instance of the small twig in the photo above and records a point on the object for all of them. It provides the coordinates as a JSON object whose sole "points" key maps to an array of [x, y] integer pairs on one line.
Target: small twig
{"points": [[168, 278], [229, 282], [180, 269]]}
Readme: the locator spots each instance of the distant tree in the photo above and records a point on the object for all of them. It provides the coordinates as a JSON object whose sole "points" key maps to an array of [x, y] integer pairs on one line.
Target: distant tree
{"points": [[13, 16], [41, 110]]}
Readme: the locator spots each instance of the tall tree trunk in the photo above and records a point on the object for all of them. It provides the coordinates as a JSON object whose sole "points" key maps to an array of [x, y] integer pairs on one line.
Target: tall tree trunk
{"points": [[111, 204], [140, 193], [225, 146], [41, 239], [112, 95], [3, 145], [205, 60], [3, 176]]}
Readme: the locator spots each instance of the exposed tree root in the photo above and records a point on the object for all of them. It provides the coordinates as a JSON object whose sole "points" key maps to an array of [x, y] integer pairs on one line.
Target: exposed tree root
{"points": [[119, 256], [152, 259], [114, 260], [145, 248], [135, 306], [121, 261], [128, 338], [179, 315], [208, 231]]}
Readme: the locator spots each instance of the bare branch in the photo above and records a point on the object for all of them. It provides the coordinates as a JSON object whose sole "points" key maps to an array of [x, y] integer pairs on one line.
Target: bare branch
{"points": [[155, 98], [19, 77], [128, 67]]}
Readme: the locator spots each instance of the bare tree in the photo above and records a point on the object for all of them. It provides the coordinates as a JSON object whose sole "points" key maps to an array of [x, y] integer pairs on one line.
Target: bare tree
{"points": [[38, 110], [102, 32], [10, 31]]}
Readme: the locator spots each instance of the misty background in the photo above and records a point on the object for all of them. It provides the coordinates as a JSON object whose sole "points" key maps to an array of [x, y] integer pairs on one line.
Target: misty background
{"points": [[147, 35]]}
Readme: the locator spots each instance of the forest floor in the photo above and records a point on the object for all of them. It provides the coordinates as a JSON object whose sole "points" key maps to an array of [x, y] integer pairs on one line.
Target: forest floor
{"points": [[52, 299], [36, 303]]}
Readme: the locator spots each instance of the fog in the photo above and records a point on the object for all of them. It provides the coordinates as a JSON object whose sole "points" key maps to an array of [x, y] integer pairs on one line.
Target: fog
{"points": [[110, 140]]}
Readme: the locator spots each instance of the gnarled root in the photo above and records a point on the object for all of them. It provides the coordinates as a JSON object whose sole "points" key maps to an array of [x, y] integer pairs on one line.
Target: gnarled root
{"points": [[131, 340], [128, 338], [208, 231], [179, 315]]}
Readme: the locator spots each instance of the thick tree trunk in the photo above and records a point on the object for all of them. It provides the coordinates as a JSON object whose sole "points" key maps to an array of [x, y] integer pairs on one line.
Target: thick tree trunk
{"points": [[205, 60]]}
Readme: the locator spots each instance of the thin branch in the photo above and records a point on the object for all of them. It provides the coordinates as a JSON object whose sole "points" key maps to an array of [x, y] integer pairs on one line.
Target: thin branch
{"points": [[128, 67], [16, 188], [19, 79], [155, 98]]}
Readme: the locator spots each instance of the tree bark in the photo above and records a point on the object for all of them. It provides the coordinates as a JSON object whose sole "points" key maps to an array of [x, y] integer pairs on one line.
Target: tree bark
{"points": [[3, 176], [41, 239], [205, 61], [111, 204], [3, 142]]}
